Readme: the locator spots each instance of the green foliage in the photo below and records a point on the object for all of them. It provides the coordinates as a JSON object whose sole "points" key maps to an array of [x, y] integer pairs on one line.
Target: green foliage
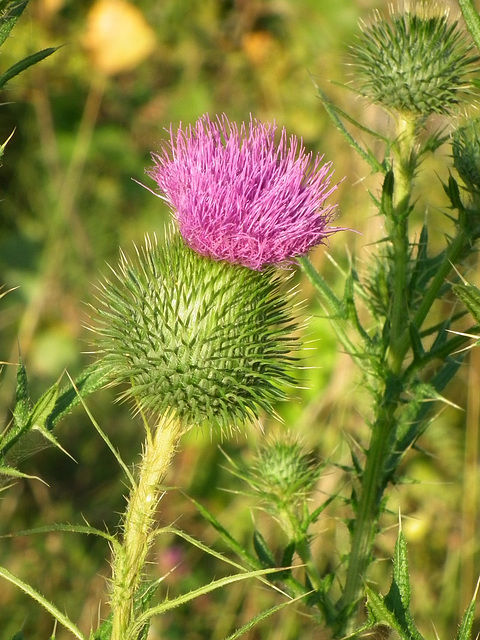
{"points": [[10, 11], [469, 294], [394, 609], [43, 415]]}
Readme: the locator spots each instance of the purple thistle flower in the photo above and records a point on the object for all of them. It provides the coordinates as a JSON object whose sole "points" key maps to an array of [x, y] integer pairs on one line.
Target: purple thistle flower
{"points": [[239, 196]]}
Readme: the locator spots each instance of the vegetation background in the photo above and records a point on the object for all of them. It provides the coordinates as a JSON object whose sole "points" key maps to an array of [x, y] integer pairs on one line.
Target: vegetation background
{"points": [[85, 121]]}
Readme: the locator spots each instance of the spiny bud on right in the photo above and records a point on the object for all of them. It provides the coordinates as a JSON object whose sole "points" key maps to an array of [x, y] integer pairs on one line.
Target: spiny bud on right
{"points": [[415, 64]]}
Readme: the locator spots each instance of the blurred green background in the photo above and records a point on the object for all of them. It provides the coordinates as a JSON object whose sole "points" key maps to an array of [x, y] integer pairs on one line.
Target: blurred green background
{"points": [[85, 121]]}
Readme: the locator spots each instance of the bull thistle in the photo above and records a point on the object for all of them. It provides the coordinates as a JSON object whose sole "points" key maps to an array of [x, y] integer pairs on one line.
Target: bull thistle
{"points": [[200, 330]]}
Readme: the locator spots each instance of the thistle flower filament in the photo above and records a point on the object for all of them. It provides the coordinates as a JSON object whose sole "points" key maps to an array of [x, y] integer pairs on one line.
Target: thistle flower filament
{"points": [[239, 196]]}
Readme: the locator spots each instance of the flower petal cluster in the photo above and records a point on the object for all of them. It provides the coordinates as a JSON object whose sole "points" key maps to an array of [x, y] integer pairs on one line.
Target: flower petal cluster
{"points": [[239, 195]]}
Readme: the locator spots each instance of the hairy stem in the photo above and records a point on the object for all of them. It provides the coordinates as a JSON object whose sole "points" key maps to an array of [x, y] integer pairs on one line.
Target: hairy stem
{"points": [[405, 162], [369, 507], [139, 524]]}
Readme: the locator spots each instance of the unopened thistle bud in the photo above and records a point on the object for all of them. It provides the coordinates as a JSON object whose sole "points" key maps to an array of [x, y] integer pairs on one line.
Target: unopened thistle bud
{"points": [[466, 154], [281, 474], [417, 63], [206, 340]]}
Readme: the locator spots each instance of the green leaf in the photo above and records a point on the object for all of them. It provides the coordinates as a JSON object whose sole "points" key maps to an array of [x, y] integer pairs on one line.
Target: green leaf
{"points": [[416, 342], [18, 636], [472, 19], [22, 403], [51, 608], [401, 581], [9, 18], [453, 193], [470, 296], [386, 203], [229, 540], [20, 66], [91, 379], [36, 418], [104, 631], [11, 471], [167, 605], [379, 613], [262, 550], [332, 111], [394, 609], [66, 528], [466, 624], [258, 618]]}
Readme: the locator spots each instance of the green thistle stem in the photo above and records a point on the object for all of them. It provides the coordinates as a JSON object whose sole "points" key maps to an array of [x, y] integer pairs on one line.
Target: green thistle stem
{"points": [[405, 162], [373, 481], [368, 510], [138, 529]]}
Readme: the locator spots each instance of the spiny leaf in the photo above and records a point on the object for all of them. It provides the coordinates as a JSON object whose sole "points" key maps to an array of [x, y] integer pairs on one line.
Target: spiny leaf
{"points": [[453, 193], [11, 471], [394, 609], [332, 111], [23, 403], [416, 342], [104, 631], [10, 17], [470, 296], [386, 202], [262, 550], [38, 597], [466, 624], [24, 64], [261, 616], [36, 418]]}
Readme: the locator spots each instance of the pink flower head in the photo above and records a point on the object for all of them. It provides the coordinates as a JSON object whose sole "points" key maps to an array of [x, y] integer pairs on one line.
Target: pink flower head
{"points": [[240, 196]]}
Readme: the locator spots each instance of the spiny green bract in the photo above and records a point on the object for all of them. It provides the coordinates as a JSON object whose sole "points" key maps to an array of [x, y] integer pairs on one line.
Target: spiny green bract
{"points": [[418, 63], [282, 472], [206, 339], [466, 154]]}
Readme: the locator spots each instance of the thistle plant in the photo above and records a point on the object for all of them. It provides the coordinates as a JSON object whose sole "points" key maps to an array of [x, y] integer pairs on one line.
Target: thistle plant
{"points": [[203, 334]]}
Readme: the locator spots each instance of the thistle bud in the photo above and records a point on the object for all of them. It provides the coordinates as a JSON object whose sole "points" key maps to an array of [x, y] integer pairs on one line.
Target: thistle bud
{"points": [[282, 473], [204, 339], [415, 64]]}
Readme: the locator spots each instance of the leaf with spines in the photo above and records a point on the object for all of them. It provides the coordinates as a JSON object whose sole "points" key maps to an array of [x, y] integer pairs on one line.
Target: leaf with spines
{"points": [[394, 609], [466, 624], [469, 294], [11, 10]]}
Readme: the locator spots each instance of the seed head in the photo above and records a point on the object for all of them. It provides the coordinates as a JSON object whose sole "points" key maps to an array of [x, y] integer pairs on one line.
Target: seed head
{"points": [[207, 340], [240, 196], [417, 63]]}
